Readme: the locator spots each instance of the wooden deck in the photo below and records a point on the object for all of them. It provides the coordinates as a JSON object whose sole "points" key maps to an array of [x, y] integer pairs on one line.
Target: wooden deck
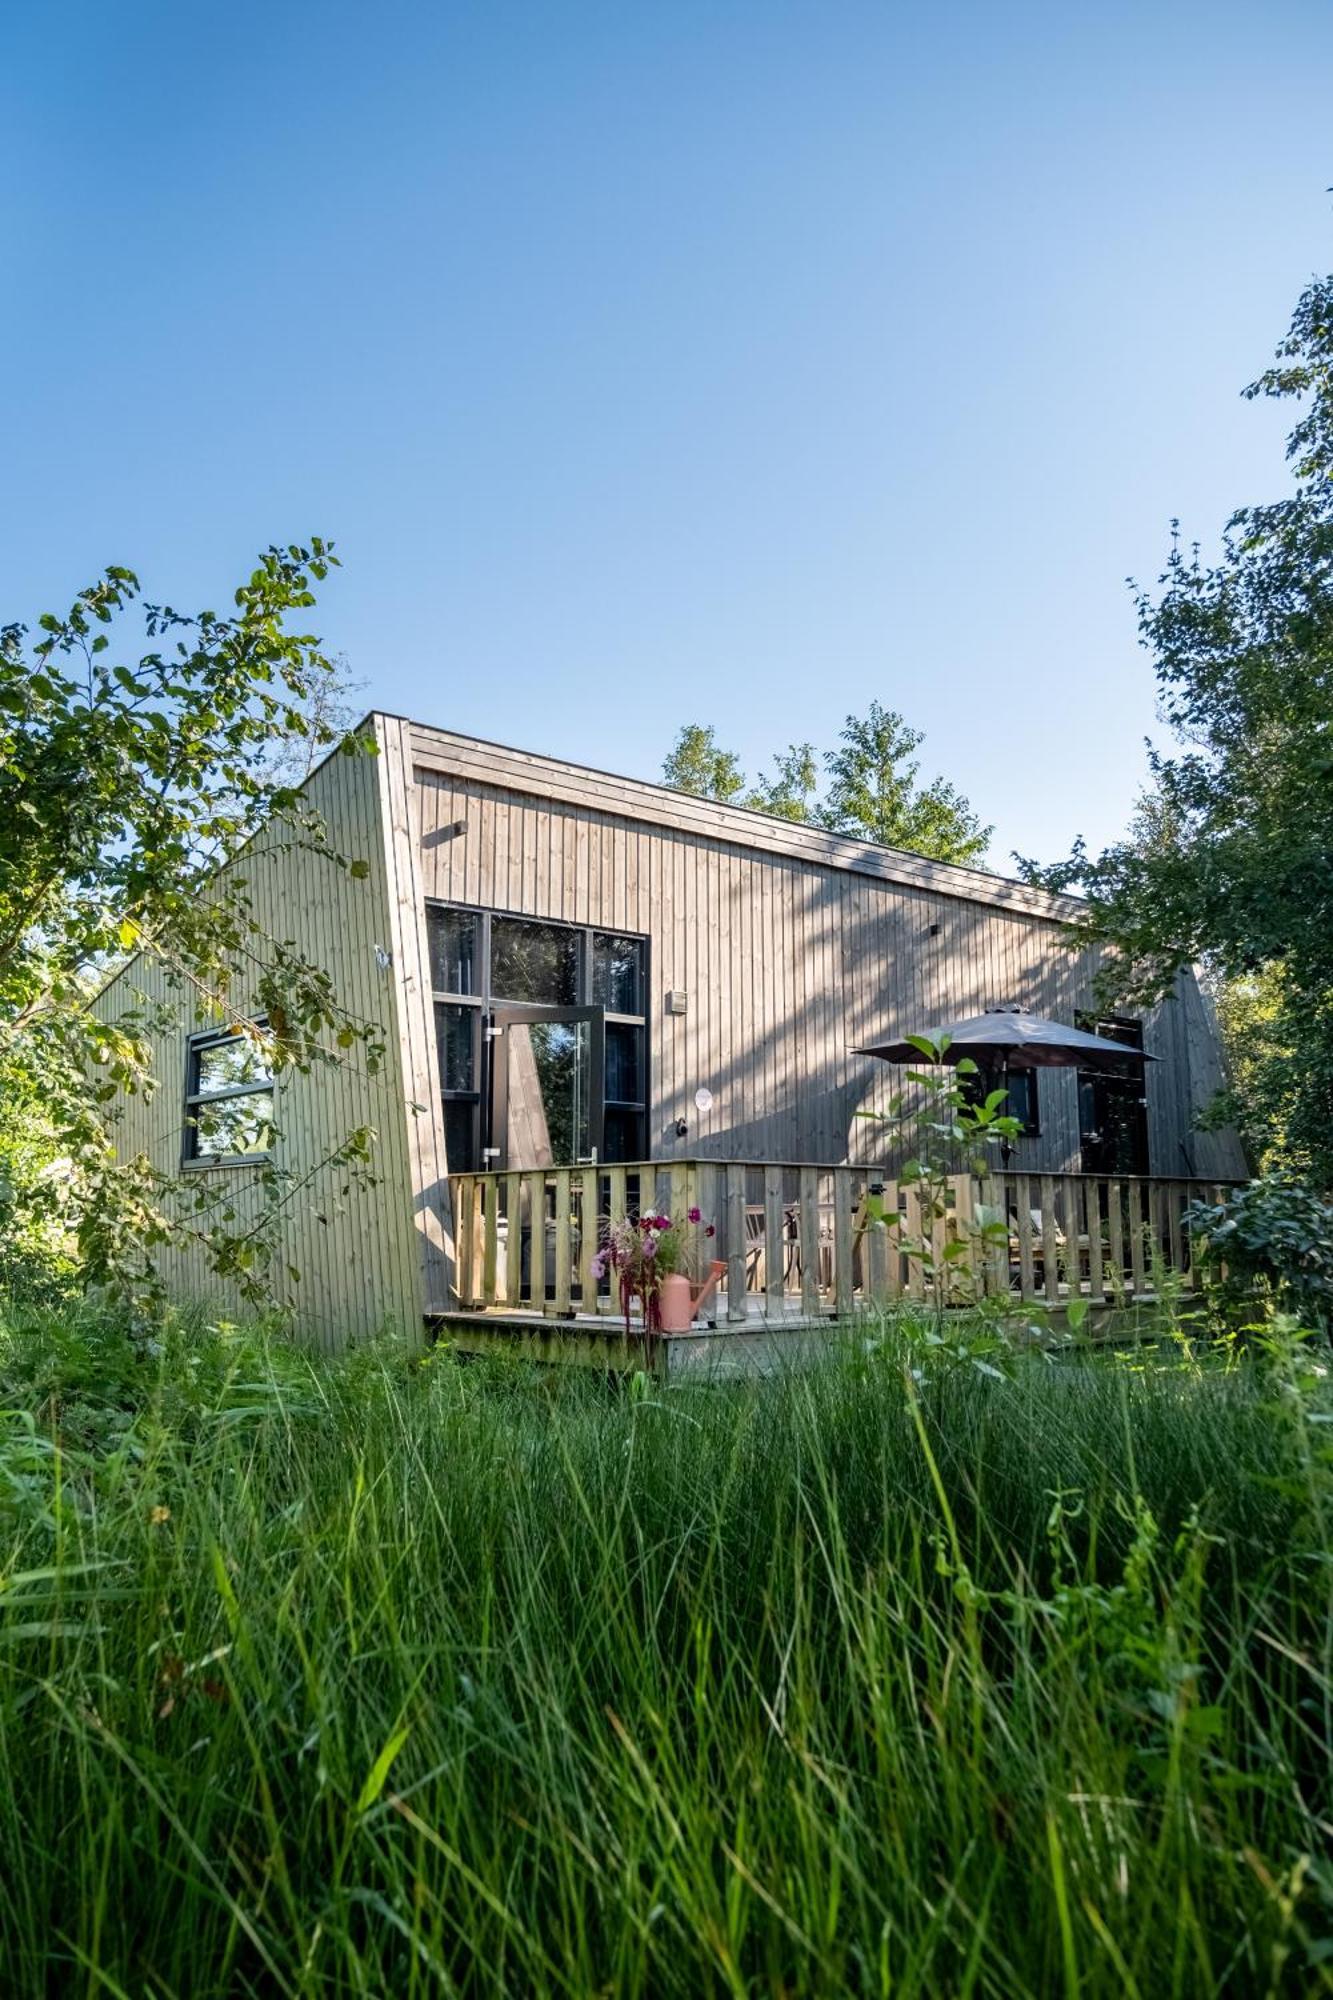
{"points": [[805, 1245], [729, 1350]]}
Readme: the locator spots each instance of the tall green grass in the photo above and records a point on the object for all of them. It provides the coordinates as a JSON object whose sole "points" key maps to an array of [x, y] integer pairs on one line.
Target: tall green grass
{"points": [[381, 1677]]}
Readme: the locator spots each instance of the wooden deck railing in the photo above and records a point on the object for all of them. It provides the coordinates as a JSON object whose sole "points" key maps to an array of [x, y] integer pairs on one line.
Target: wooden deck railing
{"points": [[815, 1241]]}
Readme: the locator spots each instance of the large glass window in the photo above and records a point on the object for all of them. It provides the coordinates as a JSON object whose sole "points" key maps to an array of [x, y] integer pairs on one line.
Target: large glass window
{"points": [[228, 1098], [535, 963], [484, 962]]}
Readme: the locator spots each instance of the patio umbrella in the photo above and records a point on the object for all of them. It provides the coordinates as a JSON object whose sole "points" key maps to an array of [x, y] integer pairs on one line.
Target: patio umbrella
{"points": [[1009, 1038], [1015, 1039]]}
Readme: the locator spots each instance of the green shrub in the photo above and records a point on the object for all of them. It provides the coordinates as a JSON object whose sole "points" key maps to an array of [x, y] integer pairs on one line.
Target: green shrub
{"points": [[1273, 1236]]}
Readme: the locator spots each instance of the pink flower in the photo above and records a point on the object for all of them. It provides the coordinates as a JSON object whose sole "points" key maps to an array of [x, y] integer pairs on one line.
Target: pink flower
{"points": [[650, 1247], [694, 1215], [710, 1231]]}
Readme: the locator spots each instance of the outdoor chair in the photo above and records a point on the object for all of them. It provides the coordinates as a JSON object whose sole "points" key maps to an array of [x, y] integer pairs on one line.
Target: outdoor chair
{"points": [[1080, 1245], [756, 1248]]}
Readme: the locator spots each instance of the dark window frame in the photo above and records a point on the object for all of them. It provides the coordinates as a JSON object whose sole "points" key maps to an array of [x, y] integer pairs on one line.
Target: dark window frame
{"points": [[1129, 1083], [994, 1076], [196, 1046], [487, 1003]]}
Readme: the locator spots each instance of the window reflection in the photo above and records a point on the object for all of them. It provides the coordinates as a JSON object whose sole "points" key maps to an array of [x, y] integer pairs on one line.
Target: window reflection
{"points": [[617, 973], [228, 1098], [534, 962], [453, 950]]}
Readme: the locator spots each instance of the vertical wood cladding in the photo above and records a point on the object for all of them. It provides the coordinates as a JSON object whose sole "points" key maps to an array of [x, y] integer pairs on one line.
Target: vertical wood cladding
{"points": [[789, 965]]}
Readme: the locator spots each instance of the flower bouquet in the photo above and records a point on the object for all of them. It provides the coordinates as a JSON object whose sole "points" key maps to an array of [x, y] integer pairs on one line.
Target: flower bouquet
{"points": [[651, 1255]]}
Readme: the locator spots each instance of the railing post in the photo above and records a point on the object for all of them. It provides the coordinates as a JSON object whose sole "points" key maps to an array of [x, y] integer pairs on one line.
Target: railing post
{"points": [[912, 1229], [973, 1270], [1027, 1269], [513, 1239], [1175, 1235], [808, 1214], [1135, 1190], [1073, 1229], [463, 1196], [535, 1183], [1155, 1221], [1091, 1203], [590, 1232], [490, 1240], [736, 1244], [563, 1244], [1116, 1221], [844, 1277], [1050, 1245], [993, 1251], [774, 1239]]}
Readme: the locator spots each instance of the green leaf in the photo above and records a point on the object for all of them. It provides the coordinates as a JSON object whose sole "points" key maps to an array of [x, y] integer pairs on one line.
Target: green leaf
{"points": [[379, 1770], [932, 1051]]}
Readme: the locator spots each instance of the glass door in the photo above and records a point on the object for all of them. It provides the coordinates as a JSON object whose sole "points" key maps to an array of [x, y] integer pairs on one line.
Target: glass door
{"points": [[1112, 1108], [548, 1068]]}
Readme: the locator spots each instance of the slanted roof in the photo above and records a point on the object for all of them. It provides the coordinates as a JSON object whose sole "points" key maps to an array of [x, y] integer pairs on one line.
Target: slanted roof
{"points": [[474, 760]]}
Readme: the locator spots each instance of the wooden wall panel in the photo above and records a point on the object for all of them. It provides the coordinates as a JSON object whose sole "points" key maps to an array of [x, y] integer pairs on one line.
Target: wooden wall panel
{"points": [[790, 965], [793, 955], [356, 1251]]}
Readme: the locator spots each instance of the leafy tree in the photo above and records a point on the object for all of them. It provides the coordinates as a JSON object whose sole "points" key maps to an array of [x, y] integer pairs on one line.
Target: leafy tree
{"points": [[1240, 869], [696, 764], [332, 709], [36, 1250], [873, 793], [1262, 1099], [872, 789], [123, 787], [790, 792]]}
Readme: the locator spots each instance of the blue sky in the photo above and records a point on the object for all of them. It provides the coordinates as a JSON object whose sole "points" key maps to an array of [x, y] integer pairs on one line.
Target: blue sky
{"points": [[659, 362]]}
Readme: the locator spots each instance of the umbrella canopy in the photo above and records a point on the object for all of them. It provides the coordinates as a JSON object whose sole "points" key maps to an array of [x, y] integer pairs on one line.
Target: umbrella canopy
{"points": [[1015, 1039]]}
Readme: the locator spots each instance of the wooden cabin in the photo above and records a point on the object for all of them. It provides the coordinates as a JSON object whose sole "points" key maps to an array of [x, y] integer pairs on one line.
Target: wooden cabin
{"points": [[585, 979]]}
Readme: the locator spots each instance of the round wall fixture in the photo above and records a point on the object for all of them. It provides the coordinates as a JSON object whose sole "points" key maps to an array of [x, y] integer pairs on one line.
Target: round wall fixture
{"points": [[703, 1099]]}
